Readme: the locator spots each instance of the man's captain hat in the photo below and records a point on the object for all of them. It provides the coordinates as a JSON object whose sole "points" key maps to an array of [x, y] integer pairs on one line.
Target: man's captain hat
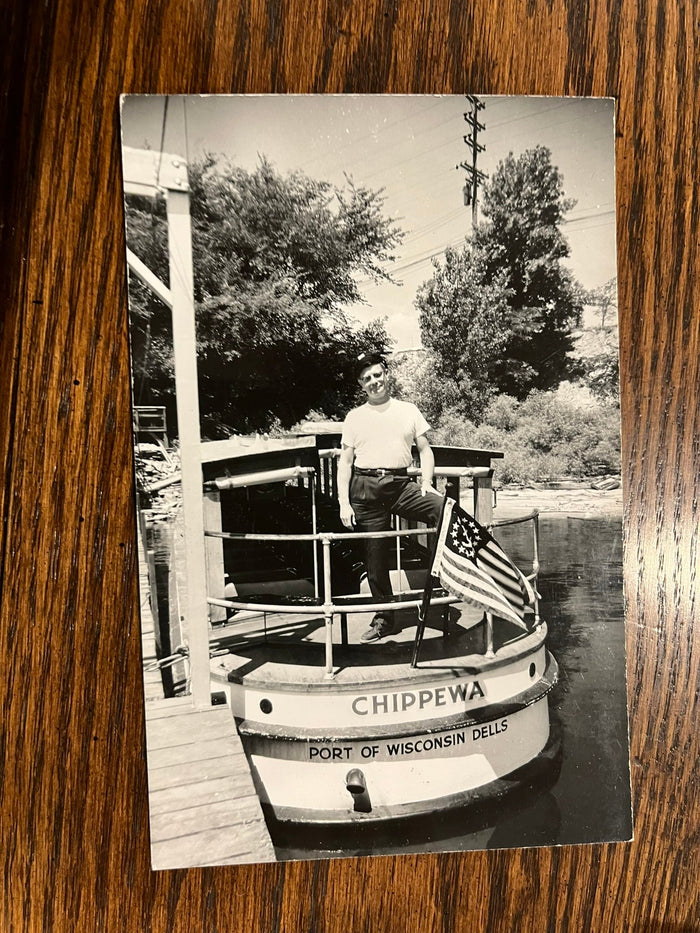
{"points": [[371, 358]]}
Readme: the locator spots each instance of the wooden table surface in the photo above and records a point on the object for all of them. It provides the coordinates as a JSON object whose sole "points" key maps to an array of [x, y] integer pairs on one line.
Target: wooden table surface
{"points": [[74, 846]]}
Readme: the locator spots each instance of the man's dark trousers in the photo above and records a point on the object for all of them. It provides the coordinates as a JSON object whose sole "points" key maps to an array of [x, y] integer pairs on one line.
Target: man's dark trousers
{"points": [[374, 500]]}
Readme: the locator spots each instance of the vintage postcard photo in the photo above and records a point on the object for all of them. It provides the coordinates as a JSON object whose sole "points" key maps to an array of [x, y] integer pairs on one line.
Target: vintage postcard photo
{"points": [[374, 352]]}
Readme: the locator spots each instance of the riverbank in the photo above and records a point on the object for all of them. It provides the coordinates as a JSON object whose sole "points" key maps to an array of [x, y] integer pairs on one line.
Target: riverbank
{"points": [[570, 499]]}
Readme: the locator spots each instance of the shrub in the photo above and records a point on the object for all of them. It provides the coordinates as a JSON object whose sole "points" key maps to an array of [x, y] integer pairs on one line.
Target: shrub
{"points": [[525, 466], [548, 436], [453, 429], [503, 413]]}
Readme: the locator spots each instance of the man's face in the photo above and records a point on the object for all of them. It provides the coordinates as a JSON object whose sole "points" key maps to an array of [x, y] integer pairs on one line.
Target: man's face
{"points": [[374, 383]]}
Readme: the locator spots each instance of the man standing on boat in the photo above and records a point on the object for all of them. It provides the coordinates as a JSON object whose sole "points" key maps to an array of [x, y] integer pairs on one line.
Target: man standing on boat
{"points": [[373, 481]]}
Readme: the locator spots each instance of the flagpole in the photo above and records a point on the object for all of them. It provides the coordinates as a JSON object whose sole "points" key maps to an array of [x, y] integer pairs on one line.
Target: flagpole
{"points": [[427, 590]]}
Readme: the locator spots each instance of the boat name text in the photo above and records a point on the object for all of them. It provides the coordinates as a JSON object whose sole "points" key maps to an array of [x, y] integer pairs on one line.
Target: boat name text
{"points": [[385, 703]]}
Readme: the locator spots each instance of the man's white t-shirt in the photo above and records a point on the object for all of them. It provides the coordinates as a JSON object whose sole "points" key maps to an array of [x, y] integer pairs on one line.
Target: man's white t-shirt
{"points": [[382, 435]]}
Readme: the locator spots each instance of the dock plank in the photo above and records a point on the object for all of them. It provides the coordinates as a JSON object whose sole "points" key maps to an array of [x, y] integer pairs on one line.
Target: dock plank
{"points": [[202, 800], [213, 816], [187, 773], [171, 755], [172, 799], [232, 848], [171, 733]]}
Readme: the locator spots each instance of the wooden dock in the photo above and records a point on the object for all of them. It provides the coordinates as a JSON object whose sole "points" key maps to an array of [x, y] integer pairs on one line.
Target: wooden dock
{"points": [[203, 806]]}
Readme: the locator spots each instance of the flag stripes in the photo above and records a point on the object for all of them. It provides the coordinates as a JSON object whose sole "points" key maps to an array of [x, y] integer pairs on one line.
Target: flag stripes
{"points": [[497, 580], [474, 567], [475, 588], [504, 581]]}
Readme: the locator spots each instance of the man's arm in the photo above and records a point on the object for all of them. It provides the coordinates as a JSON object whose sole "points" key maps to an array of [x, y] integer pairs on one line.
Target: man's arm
{"points": [[347, 515], [427, 464]]}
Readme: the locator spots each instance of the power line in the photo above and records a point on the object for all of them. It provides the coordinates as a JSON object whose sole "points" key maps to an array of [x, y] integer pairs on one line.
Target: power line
{"points": [[434, 226], [527, 116], [412, 262], [374, 135], [576, 220], [609, 223]]}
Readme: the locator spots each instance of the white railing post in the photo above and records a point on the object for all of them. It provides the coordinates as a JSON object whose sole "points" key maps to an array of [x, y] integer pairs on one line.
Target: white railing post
{"points": [[328, 605], [536, 564], [489, 635], [397, 526], [314, 523]]}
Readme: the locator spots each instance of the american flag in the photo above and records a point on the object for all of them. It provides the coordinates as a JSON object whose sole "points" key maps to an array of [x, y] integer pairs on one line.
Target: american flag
{"points": [[471, 565]]}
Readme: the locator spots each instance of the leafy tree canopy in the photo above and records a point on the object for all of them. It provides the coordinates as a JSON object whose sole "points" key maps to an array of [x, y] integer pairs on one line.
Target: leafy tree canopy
{"points": [[521, 241], [414, 376], [499, 313], [276, 259], [463, 322]]}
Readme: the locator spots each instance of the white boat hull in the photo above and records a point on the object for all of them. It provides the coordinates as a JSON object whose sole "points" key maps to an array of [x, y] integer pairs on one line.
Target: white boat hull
{"points": [[409, 775], [356, 752]]}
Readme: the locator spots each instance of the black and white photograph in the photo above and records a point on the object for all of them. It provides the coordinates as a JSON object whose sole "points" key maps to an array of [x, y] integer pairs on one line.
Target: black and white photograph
{"points": [[378, 493]]}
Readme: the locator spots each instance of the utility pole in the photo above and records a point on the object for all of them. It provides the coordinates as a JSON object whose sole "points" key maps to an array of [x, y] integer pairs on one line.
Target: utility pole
{"points": [[474, 176]]}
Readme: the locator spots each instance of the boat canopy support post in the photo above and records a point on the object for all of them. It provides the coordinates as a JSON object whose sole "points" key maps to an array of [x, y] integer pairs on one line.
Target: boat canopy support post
{"points": [[216, 578], [149, 279], [483, 498]]}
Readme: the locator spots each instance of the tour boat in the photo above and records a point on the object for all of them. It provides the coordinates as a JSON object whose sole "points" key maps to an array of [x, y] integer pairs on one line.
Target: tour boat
{"points": [[341, 732]]}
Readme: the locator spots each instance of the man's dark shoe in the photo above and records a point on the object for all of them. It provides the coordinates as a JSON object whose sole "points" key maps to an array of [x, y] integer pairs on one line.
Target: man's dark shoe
{"points": [[379, 628]]}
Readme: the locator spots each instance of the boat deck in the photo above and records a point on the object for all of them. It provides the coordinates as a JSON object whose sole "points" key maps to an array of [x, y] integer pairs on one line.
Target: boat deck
{"points": [[288, 649], [203, 806]]}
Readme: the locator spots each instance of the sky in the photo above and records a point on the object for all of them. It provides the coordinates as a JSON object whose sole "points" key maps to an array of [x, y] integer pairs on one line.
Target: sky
{"points": [[409, 146]]}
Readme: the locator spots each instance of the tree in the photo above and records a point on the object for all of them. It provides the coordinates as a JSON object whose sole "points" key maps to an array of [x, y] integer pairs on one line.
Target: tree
{"points": [[275, 259], [522, 245], [604, 300], [462, 319], [601, 362], [498, 314], [414, 375], [268, 359]]}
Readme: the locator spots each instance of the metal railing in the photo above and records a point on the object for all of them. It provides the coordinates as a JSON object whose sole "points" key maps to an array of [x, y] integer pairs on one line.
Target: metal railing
{"points": [[329, 608], [534, 517]]}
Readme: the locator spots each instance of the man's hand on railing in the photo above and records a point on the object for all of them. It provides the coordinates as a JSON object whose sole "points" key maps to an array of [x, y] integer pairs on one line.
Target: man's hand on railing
{"points": [[347, 515]]}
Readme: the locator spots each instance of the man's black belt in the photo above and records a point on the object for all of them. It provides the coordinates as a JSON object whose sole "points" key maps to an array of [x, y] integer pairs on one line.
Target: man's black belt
{"points": [[401, 471]]}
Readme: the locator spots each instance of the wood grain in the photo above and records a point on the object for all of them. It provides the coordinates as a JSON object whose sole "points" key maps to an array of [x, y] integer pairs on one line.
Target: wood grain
{"points": [[74, 836]]}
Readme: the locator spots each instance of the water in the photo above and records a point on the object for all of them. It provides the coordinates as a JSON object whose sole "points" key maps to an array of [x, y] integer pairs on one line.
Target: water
{"points": [[586, 797]]}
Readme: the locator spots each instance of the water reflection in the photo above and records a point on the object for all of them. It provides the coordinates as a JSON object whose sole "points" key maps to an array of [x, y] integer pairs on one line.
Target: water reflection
{"points": [[585, 797]]}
